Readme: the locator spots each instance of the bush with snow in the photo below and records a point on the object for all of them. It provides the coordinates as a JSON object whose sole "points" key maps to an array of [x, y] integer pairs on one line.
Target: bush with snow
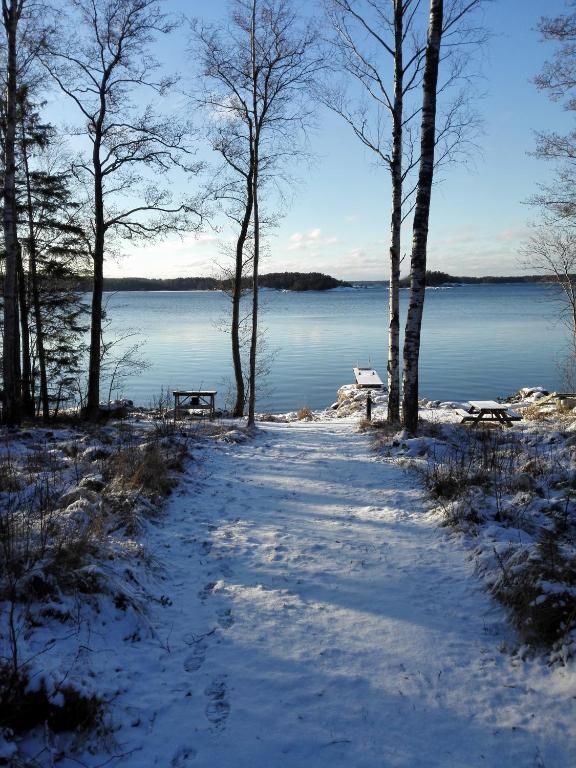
{"points": [[72, 505], [512, 493]]}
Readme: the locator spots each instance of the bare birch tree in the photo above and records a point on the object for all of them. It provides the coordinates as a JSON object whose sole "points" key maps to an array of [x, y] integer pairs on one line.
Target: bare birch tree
{"points": [[103, 63], [369, 35], [441, 27], [551, 251], [421, 217], [380, 46], [557, 200], [258, 71]]}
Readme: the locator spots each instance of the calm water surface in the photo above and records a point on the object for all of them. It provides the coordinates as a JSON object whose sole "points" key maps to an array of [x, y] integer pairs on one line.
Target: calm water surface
{"points": [[478, 341]]}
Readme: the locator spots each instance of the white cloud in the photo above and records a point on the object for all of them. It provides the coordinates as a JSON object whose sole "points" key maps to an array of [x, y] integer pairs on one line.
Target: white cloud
{"points": [[309, 241], [191, 255], [467, 250], [472, 251]]}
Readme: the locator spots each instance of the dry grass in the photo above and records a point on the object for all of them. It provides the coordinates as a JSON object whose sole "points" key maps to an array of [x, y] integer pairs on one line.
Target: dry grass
{"points": [[304, 414], [542, 616], [524, 489], [145, 471], [22, 709], [10, 480], [270, 417], [146, 467], [550, 409], [58, 547]]}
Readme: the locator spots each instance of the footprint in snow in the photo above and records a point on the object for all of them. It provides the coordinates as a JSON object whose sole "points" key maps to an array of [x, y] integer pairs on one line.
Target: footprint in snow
{"points": [[225, 618], [206, 547], [195, 660], [225, 569], [182, 757], [218, 708], [206, 590]]}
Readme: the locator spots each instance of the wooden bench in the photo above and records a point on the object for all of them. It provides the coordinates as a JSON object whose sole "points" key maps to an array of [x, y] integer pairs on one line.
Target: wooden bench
{"points": [[465, 415]]}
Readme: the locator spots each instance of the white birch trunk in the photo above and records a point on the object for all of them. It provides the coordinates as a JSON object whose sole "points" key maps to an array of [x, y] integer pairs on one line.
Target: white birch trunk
{"points": [[421, 219], [256, 222], [393, 368]]}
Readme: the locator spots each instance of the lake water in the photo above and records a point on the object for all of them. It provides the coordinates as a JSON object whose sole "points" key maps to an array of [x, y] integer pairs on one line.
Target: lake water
{"points": [[478, 341]]}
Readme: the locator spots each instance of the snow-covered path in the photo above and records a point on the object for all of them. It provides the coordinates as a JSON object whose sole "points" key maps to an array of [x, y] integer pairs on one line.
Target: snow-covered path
{"points": [[318, 618]]}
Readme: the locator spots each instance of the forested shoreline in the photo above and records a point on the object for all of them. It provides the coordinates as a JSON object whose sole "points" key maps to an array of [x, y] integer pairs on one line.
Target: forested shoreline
{"points": [[283, 281], [297, 282], [436, 278]]}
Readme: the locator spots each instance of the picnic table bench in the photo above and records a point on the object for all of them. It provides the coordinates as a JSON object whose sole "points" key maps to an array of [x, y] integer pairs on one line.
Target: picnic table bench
{"points": [[200, 400], [556, 399], [486, 411]]}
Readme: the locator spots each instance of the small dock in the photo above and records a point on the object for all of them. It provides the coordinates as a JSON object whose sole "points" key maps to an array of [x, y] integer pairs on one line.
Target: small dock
{"points": [[367, 378]]}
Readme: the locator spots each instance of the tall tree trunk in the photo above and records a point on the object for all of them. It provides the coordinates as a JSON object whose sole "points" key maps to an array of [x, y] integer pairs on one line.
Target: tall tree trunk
{"points": [[12, 412], [255, 262], [39, 328], [34, 285], [421, 219], [254, 333], [26, 384], [396, 220], [237, 295], [92, 409]]}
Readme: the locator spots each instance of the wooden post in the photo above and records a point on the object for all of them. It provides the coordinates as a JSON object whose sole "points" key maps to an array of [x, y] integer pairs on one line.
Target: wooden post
{"points": [[369, 407]]}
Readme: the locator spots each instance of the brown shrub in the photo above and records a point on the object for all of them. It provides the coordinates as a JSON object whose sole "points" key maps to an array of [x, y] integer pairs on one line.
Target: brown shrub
{"points": [[304, 414], [146, 470]]}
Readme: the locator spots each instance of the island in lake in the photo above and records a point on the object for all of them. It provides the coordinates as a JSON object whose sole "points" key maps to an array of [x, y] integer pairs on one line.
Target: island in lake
{"points": [[282, 281], [435, 278]]}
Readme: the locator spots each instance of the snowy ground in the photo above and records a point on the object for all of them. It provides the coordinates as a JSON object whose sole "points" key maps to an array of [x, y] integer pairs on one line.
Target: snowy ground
{"points": [[313, 615]]}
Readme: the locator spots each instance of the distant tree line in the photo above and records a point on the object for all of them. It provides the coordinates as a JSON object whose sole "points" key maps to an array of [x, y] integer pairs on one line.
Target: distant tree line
{"points": [[283, 281], [300, 281], [436, 278]]}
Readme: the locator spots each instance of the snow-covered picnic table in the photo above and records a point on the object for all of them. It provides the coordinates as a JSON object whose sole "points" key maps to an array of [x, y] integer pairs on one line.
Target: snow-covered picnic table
{"points": [[489, 410], [194, 400]]}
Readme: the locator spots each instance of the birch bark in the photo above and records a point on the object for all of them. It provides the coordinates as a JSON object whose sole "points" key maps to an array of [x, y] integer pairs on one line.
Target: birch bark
{"points": [[256, 223], [237, 292], [421, 218], [393, 368]]}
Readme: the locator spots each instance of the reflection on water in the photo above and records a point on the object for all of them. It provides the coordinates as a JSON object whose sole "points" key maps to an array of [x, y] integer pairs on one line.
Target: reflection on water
{"points": [[478, 341]]}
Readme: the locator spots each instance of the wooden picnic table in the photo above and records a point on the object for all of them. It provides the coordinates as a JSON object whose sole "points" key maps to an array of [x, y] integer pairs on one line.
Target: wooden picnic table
{"points": [[489, 411], [201, 400]]}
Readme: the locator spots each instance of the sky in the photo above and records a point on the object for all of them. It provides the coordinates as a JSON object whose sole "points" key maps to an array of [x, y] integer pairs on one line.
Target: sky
{"points": [[337, 220]]}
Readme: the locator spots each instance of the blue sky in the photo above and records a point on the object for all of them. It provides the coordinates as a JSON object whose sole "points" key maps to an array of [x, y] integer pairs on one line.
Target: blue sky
{"points": [[338, 219]]}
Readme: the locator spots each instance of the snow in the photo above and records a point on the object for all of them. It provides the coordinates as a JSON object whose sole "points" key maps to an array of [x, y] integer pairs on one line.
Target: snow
{"points": [[306, 610]]}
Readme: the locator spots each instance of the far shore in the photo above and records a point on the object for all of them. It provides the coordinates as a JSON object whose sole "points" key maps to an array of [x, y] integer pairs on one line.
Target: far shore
{"points": [[300, 282]]}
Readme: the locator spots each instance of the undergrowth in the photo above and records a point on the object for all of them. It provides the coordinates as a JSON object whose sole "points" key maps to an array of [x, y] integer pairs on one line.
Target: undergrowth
{"points": [[304, 414], [514, 495], [71, 510]]}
